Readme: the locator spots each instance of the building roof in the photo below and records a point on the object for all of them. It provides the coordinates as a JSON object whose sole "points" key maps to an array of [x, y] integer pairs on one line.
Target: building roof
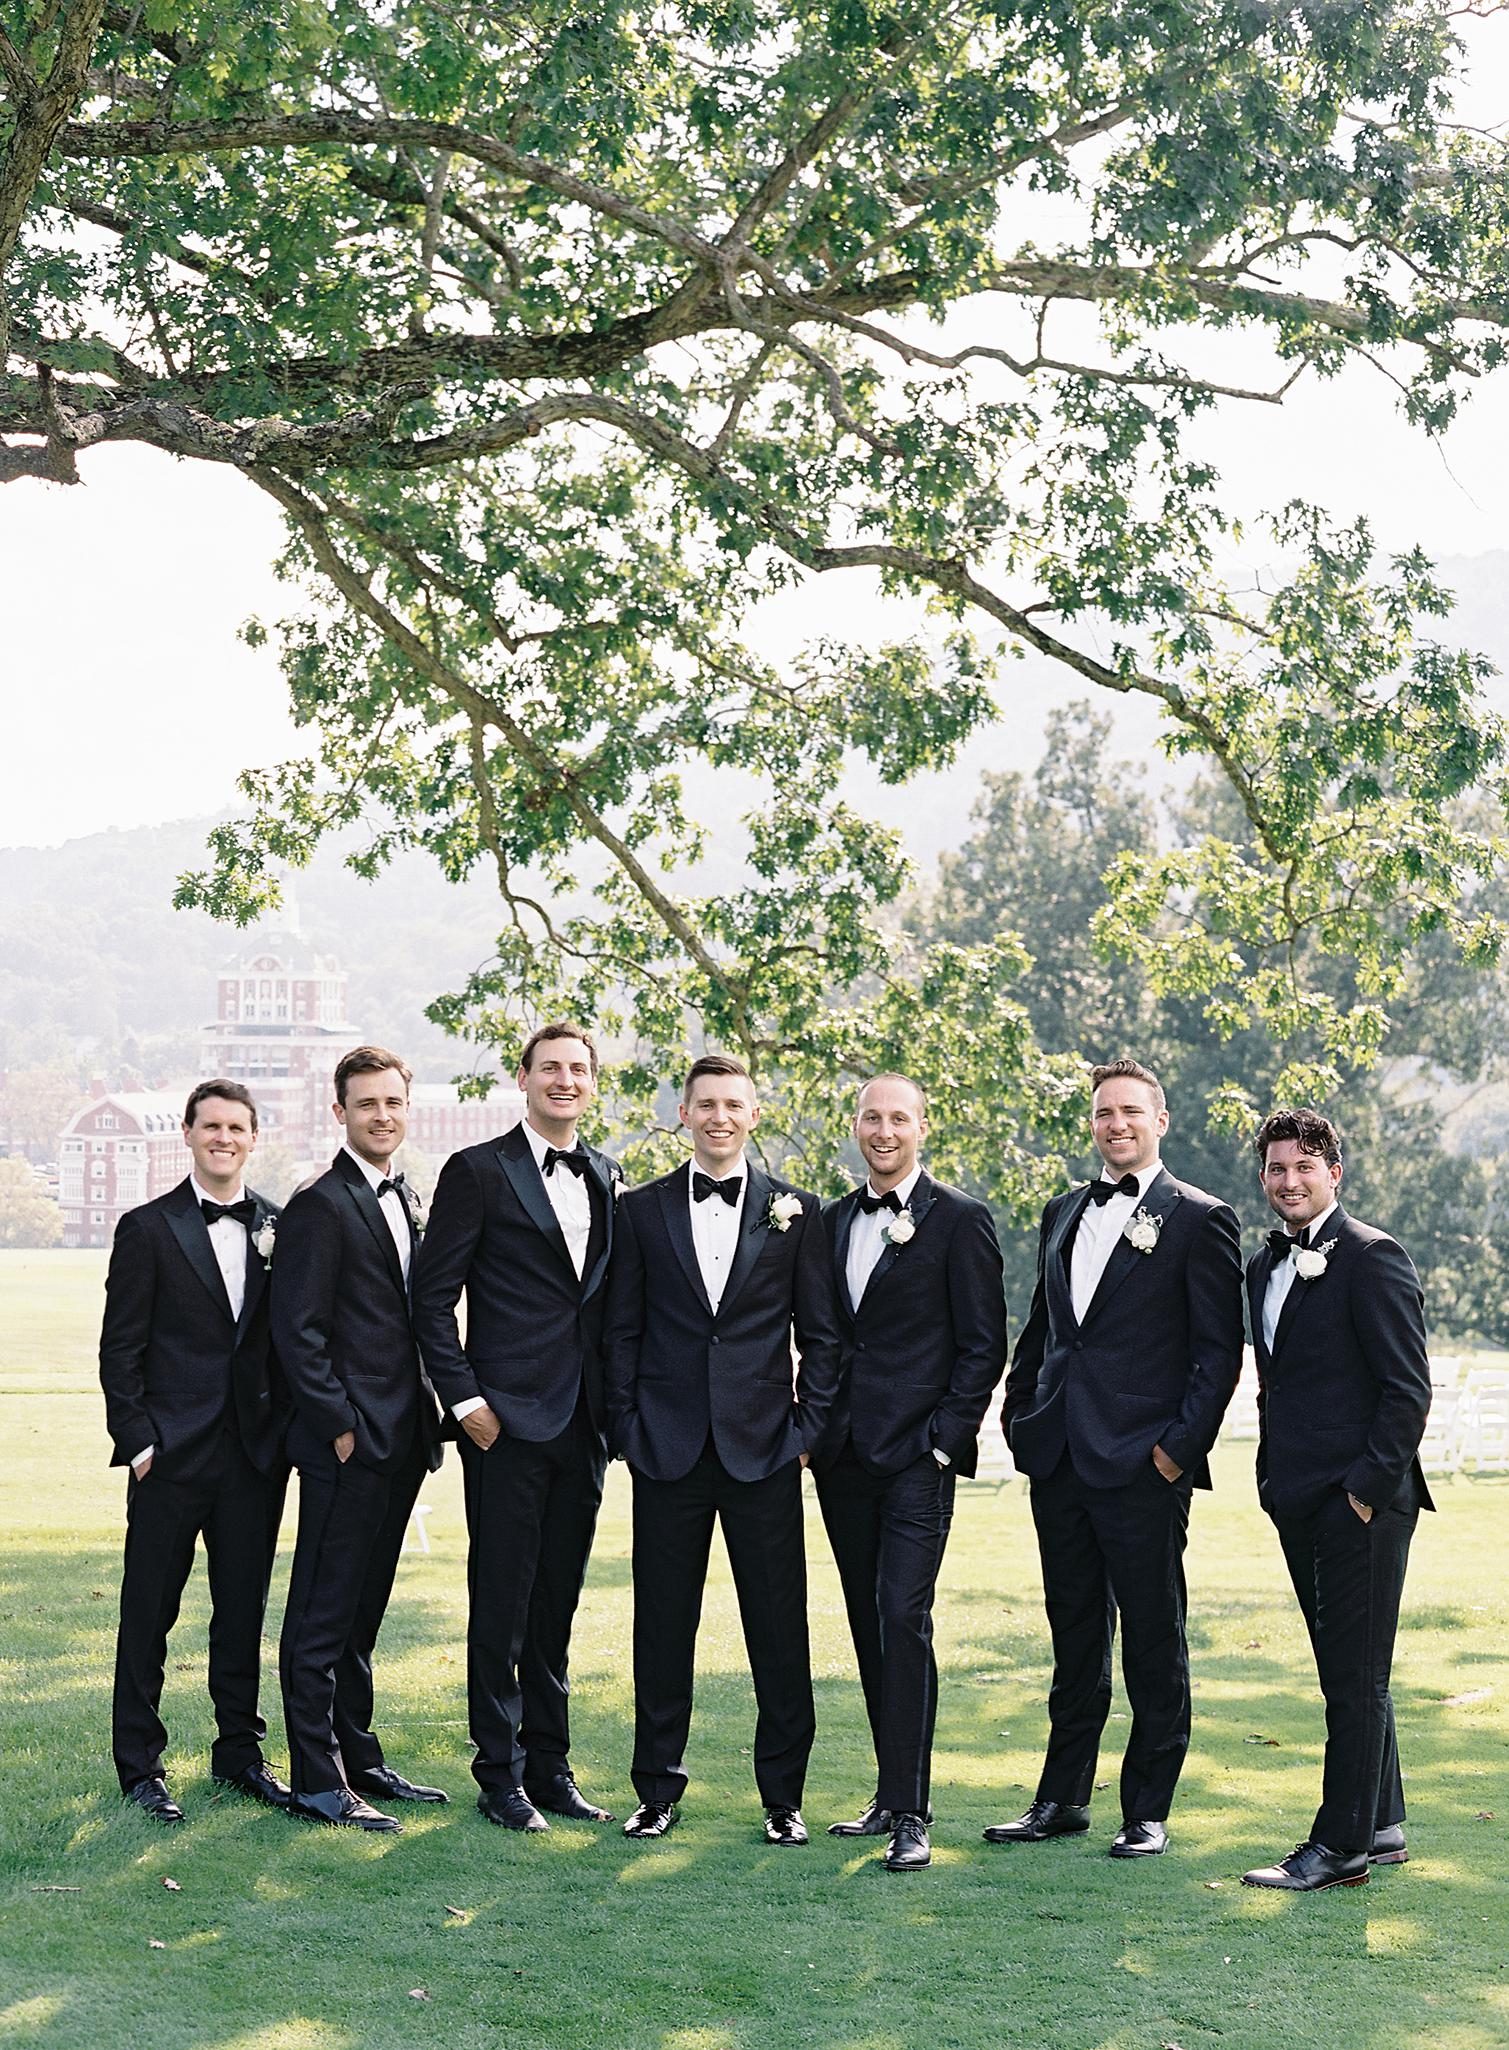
{"points": [[148, 1110], [280, 943]]}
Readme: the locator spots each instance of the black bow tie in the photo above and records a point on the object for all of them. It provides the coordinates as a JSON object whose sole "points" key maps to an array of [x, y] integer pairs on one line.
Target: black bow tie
{"points": [[243, 1212], [571, 1157], [1280, 1245], [704, 1186], [1102, 1191], [870, 1204], [385, 1188]]}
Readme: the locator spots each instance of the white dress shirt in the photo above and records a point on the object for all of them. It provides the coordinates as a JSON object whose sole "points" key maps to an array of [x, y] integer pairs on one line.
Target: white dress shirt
{"points": [[1281, 1280], [1101, 1225], [867, 1236], [392, 1207], [228, 1243], [715, 1230]]}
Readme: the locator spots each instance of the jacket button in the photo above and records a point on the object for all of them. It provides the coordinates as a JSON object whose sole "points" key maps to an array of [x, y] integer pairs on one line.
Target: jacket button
{"points": [[715, 1338], [1079, 1345]]}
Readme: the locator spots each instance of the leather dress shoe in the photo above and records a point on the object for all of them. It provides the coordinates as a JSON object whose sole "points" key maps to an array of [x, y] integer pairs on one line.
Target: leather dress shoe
{"points": [[389, 1785], [1389, 1847], [784, 1827], [909, 1849], [340, 1805], [876, 1821], [560, 1795], [1310, 1868], [1042, 1820], [152, 1795], [511, 1808], [652, 1818], [259, 1782], [1139, 1840]]}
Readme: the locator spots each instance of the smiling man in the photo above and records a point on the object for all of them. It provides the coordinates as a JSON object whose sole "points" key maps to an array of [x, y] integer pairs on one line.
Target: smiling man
{"points": [[1121, 1376], [1338, 1326], [196, 1408], [917, 1273], [523, 1225], [716, 1267], [365, 1429]]}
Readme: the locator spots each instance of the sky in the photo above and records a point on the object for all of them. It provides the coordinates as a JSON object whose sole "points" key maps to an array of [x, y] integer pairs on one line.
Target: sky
{"points": [[130, 700]]}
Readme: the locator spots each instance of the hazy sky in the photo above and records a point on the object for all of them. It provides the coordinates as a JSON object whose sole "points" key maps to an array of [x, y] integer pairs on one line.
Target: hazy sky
{"points": [[129, 699]]}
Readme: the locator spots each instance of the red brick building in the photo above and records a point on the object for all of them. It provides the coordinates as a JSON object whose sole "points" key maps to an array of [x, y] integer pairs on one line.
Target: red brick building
{"points": [[120, 1150]]}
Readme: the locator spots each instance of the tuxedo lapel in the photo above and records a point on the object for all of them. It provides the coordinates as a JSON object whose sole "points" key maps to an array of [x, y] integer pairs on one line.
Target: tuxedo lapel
{"points": [[843, 1229], [186, 1221], [600, 1183], [518, 1163], [1060, 1250], [924, 1195], [754, 1229], [674, 1197], [1296, 1300], [1259, 1274], [256, 1269], [365, 1198], [1159, 1202]]}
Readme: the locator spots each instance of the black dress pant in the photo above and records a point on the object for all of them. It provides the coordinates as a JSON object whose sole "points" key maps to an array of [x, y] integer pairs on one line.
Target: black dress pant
{"points": [[531, 1510], [238, 1511], [1104, 1550], [888, 1532], [673, 1534], [1349, 1577], [351, 1529]]}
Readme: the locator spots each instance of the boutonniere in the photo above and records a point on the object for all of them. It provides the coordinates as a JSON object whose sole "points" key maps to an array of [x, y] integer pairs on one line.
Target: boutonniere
{"points": [[1142, 1231], [782, 1210], [411, 1203], [1310, 1262], [264, 1238], [901, 1229]]}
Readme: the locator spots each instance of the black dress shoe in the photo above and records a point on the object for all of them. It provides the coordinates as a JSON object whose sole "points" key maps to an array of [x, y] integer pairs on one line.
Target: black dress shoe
{"points": [[560, 1795], [1310, 1868], [389, 1785], [1140, 1840], [1042, 1820], [341, 1806], [909, 1849], [784, 1826], [1389, 1847], [876, 1821], [511, 1808], [652, 1818], [153, 1796], [258, 1782]]}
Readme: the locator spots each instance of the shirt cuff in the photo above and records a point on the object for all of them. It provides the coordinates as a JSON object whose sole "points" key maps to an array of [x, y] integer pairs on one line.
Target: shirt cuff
{"points": [[941, 1456], [140, 1458], [459, 1410]]}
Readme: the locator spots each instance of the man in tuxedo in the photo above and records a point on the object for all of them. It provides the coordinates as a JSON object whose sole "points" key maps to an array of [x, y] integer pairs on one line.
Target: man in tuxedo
{"points": [[1338, 1325], [1121, 1376], [196, 1409], [713, 1266], [364, 1432], [917, 1276], [524, 1224]]}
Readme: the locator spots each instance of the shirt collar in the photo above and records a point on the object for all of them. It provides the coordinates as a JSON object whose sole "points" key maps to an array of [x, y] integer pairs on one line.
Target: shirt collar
{"points": [[203, 1195], [540, 1146], [904, 1187], [375, 1176], [1317, 1224], [1146, 1176]]}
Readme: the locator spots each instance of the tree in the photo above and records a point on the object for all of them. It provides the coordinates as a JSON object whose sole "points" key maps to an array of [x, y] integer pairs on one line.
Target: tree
{"points": [[35, 1104], [29, 1217], [561, 337]]}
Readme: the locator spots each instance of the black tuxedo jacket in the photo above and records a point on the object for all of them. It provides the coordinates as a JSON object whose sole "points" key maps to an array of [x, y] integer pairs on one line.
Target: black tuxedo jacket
{"points": [[927, 1345], [174, 1363], [675, 1371], [533, 1330], [340, 1323], [1342, 1401], [1157, 1356]]}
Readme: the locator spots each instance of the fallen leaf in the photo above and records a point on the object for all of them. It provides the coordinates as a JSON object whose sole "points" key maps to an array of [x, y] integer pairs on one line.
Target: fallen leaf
{"points": [[1483, 1815], [1258, 1738], [418, 1993], [1253, 1644], [156, 1943], [1472, 1694], [456, 1911], [172, 1886], [57, 1889], [1173, 2046], [1215, 1885], [1101, 1785]]}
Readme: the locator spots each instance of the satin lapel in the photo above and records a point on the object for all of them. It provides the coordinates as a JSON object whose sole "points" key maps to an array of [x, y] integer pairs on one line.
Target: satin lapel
{"points": [[186, 1221], [754, 1229], [674, 1198], [1259, 1274], [848, 1210], [256, 1269], [365, 1199], [528, 1184], [1060, 1247], [598, 1177], [924, 1195], [1299, 1291], [1161, 1199]]}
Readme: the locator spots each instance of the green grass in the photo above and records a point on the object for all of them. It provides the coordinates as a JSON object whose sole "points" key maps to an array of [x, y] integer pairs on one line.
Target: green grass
{"points": [[287, 1937]]}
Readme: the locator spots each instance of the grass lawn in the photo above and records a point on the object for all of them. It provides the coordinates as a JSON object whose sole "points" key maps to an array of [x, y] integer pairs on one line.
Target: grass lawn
{"points": [[283, 1936]]}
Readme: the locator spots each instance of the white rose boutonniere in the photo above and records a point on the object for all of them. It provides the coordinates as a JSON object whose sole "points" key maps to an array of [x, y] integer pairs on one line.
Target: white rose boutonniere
{"points": [[1310, 1262], [782, 1210], [1142, 1231], [411, 1199], [901, 1229], [264, 1238]]}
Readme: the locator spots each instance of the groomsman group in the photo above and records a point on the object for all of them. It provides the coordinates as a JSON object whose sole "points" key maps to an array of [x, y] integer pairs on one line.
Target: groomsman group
{"points": [[721, 1329]]}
